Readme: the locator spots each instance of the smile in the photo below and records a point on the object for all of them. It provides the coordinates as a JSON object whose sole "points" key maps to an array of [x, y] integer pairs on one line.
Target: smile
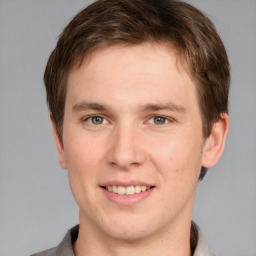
{"points": [[130, 190]]}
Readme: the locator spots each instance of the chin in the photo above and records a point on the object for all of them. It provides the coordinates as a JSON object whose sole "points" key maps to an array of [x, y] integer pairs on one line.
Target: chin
{"points": [[128, 234], [129, 230]]}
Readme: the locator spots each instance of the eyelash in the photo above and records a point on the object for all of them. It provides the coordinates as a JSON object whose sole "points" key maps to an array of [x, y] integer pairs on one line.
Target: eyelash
{"points": [[87, 118], [166, 119]]}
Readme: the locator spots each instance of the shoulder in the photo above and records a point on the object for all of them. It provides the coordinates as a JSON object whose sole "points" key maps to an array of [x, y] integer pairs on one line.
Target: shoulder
{"points": [[65, 248], [49, 252]]}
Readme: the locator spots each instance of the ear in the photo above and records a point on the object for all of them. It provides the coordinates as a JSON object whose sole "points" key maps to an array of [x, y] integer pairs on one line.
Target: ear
{"points": [[59, 144], [215, 143]]}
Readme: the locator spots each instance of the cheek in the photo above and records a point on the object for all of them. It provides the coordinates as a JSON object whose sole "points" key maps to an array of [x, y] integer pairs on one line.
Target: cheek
{"points": [[81, 158], [177, 163], [177, 158], [81, 153]]}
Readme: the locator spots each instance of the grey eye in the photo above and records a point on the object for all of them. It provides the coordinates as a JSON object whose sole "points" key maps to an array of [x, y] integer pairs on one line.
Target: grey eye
{"points": [[97, 120], [158, 120]]}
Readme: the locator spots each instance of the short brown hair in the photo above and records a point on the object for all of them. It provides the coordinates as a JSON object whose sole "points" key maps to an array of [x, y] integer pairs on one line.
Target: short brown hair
{"points": [[130, 22]]}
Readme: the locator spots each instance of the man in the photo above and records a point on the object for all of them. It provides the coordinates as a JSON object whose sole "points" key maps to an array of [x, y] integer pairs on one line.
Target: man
{"points": [[138, 99]]}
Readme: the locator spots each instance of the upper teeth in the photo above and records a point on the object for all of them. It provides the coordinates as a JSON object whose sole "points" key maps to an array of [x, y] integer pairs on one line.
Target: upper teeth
{"points": [[127, 190]]}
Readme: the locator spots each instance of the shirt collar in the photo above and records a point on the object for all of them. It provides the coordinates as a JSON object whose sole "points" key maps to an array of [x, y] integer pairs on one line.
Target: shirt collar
{"points": [[197, 238]]}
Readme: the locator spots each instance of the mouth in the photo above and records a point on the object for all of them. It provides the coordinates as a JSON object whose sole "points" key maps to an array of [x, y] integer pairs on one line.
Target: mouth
{"points": [[128, 190]]}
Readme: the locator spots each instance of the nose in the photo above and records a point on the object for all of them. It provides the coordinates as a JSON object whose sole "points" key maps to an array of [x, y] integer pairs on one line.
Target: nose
{"points": [[126, 147]]}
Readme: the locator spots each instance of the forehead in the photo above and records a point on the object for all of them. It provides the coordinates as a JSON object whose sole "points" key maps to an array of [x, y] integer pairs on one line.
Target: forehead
{"points": [[145, 51], [149, 71]]}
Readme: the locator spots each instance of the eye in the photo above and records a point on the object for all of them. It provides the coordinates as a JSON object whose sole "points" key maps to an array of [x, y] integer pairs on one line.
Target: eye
{"points": [[96, 120], [158, 120]]}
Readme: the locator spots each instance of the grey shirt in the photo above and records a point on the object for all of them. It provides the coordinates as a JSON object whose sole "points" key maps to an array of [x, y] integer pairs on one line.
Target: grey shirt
{"points": [[197, 241]]}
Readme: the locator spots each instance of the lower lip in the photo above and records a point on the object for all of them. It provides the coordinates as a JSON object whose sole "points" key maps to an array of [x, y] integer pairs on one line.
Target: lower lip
{"points": [[127, 199]]}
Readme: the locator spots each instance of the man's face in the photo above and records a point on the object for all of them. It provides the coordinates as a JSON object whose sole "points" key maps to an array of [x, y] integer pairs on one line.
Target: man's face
{"points": [[132, 122]]}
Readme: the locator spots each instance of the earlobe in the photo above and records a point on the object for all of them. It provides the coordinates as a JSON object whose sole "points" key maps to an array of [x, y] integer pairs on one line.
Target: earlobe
{"points": [[215, 143], [59, 144]]}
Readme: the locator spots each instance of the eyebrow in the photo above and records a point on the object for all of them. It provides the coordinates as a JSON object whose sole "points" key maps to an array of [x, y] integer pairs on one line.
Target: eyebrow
{"points": [[168, 106], [83, 106]]}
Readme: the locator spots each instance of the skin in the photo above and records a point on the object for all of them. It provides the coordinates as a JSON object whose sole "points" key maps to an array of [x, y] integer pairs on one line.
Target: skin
{"points": [[126, 88]]}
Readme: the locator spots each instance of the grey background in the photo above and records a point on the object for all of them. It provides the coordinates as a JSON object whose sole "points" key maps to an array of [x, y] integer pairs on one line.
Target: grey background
{"points": [[36, 206]]}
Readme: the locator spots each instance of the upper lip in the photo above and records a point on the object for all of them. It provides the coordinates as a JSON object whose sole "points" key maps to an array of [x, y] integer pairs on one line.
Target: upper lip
{"points": [[126, 183]]}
